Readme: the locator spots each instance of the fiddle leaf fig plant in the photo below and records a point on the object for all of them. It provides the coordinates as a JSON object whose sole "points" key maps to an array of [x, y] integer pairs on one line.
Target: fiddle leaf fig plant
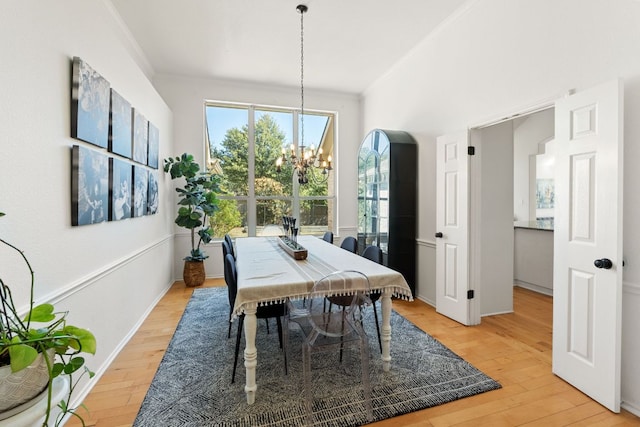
{"points": [[197, 201], [43, 330]]}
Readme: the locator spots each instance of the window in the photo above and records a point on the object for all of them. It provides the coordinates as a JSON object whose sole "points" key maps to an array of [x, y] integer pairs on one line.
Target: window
{"points": [[243, 143]]}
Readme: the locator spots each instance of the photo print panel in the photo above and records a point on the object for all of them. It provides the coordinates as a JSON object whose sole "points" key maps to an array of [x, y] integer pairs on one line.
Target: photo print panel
{"points": [[140, 137], [121, 183], [120, 126], [90, 95], [154, 145], [152, 195], [89, 186], [140, 187]]}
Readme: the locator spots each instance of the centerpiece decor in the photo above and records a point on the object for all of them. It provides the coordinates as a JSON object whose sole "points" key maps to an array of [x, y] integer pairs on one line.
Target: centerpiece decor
{"points": [[289, 242]]}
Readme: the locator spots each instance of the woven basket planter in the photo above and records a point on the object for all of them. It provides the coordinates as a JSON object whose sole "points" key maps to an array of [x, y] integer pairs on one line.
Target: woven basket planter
{"points": [[18, 388], [193, 273]]}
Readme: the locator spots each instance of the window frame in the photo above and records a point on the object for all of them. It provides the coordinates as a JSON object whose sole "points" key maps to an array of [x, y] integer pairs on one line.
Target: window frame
{"points": [[251, 199]]}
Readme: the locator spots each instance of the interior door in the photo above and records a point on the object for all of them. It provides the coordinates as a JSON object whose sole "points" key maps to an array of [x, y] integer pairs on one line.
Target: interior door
{"points": [[452, 229], [587, 275]]}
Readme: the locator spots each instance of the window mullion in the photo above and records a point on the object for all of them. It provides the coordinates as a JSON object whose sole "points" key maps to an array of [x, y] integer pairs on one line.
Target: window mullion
{"points": [[251, 202], [295, 202]]}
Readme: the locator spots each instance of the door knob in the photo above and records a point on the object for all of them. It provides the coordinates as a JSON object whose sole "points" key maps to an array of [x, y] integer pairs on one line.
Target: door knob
{"points": [[603, 263], [439, 235]]}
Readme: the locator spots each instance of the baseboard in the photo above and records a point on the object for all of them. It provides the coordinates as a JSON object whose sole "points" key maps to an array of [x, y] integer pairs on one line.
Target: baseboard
{"points": [[426, 301], [534, 288], [633, 408], [80, 395]]}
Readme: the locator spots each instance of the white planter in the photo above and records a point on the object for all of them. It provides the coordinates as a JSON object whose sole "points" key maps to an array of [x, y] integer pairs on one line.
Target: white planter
{"points": [[18, 389]]}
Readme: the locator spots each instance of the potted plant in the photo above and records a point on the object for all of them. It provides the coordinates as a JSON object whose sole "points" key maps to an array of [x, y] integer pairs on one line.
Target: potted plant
{"points": [[39, 343], [197, 201]]}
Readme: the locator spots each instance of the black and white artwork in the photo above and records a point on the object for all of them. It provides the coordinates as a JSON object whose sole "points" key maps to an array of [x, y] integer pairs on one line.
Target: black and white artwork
{"points": [[90, 94], [152, 203], [140, 187], [120, 126], [140, 137], [121, 183], [154, 145], [89, 186]]}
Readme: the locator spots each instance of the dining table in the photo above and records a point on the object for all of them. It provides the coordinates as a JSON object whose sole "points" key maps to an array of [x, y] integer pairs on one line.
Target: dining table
{"points": [[268, 274]]}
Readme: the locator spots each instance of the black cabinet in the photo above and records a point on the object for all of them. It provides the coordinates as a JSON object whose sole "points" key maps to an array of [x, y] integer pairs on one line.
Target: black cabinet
{"points": [[387, 175]]}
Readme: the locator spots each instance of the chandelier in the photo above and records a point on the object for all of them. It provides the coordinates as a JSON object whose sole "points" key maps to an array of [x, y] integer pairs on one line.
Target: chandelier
{"points": [[308, 159]]}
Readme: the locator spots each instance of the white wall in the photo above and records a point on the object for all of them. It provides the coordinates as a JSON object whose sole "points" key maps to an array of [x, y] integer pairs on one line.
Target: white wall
{"points": [[107, 275], [498, 57], [186, 97], [491, 175]]}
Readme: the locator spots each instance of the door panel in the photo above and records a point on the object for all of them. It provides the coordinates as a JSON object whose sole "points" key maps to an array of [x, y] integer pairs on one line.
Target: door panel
{"points": [[588, 227], [452, 225]]}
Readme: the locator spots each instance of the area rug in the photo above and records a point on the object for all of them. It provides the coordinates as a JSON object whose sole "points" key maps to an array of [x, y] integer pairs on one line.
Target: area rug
{"points": [[192, 386]]}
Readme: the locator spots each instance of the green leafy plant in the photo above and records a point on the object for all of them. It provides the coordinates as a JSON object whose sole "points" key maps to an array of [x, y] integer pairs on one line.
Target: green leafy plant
{"points": [[197, 200], [22, 339]]}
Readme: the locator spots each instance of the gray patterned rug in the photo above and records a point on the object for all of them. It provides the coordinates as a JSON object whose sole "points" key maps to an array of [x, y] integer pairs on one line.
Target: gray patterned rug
{"points": [[192, 386]]}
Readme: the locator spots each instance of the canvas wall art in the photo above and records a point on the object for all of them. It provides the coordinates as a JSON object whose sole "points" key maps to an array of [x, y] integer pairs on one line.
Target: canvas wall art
{"points": [[152, 197], [140, 188], [120, 125], [89, 186], [140, 137], [545, 193], [121, 183], [154, 145], [90, 95]]}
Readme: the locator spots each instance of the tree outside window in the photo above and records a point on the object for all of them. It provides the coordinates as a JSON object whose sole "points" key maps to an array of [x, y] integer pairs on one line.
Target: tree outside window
{"points": [[244, 152]]}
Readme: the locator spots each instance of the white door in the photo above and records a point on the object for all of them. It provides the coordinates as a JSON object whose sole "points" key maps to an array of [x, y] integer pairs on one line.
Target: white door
{"points": [[452, 228], [587, 276]]}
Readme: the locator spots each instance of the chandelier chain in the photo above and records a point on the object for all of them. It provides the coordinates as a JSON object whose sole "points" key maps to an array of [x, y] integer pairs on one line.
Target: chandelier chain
{"points": [[305, 160], [302, 76]]}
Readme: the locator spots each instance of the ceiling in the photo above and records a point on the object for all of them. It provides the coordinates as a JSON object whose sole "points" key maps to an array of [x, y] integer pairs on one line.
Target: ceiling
{"points": [[348, 44]]}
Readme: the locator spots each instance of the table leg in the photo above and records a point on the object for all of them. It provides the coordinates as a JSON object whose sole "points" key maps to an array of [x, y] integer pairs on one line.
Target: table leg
{"points": [[385, 333], [250, 353]]}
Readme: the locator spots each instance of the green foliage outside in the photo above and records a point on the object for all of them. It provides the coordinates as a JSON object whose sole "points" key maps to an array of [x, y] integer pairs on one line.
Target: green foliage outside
{"points": [[234, 162]]}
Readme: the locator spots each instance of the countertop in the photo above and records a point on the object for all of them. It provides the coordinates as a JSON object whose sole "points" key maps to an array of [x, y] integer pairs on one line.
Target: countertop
{"points": [[540, 224]]}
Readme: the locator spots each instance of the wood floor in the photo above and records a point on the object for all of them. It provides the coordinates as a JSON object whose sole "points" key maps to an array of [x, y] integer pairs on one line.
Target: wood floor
{"points": [[514, 349]]}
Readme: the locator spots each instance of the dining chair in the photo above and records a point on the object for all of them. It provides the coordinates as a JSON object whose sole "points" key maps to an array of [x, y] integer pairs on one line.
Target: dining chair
{"points": [[328, 330], [227, 239], [350, 243], [263, 312], [328, 237], [374, 253], [231, 287]]}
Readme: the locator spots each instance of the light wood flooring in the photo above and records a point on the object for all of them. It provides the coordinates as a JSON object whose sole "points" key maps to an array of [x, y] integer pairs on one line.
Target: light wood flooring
{"points": [[514, 349]]}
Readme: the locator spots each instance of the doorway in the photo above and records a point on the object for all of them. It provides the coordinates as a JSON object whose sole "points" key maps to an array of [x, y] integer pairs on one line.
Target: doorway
{"points": [[512, 190]]}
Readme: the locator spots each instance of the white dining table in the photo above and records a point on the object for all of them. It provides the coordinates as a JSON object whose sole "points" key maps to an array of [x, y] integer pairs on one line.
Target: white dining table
{"points": [[267, 274]]}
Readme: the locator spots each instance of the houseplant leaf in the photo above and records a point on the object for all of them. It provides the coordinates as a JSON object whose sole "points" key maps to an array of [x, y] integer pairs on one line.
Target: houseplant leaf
{"points": [[86, 338], [21, 355], [41, 313]]}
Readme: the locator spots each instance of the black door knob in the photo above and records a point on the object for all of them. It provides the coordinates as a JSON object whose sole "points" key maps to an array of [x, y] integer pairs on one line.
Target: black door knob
{"points": [[603, 263], [439, 235]]}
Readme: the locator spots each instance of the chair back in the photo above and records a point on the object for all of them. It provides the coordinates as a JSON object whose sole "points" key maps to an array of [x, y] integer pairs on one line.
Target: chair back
{"points": [[328, 237], [226, 250], [227, 239], [350, 243], [231, 277], [350, 285], [373, 253]]}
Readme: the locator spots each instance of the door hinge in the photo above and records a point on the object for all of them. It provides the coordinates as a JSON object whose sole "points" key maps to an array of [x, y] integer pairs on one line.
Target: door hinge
{"points": [[471, 150], [470, 294]]}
